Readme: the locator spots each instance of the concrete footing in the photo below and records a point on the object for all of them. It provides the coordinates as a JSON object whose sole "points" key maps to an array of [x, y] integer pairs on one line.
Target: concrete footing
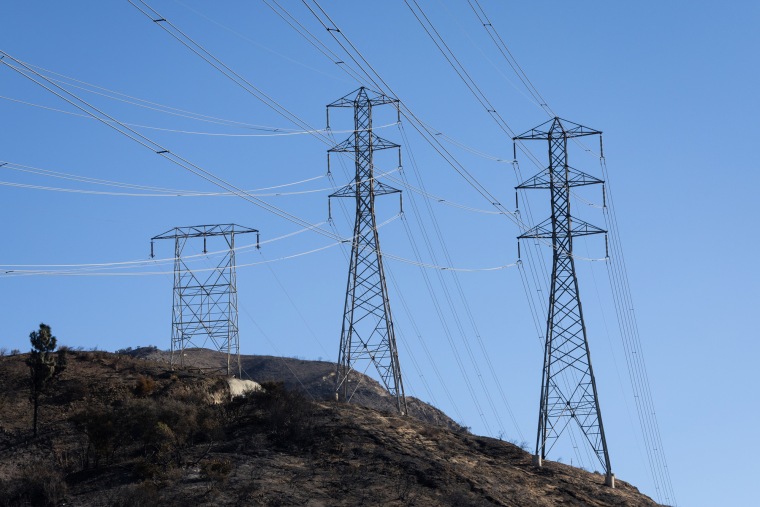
{"points": [[537, 461], [609, 480]]}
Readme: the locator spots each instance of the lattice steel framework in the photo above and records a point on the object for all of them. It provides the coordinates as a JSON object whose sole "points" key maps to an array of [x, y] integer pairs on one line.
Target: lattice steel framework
{"points": [[367, 335], [568, 387], [205, 301]]}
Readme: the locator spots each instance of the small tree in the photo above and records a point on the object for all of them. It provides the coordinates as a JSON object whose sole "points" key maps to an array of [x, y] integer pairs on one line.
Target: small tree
{"points": [[44, 366]]}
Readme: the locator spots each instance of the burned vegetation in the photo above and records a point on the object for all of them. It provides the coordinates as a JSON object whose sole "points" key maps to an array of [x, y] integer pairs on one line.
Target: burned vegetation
{"points": [[124, 430]]}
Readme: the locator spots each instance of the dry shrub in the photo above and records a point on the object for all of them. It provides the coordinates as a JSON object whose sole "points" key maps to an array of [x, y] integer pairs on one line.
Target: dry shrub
{"points": [[144, 494], [216, 470], [72, 390], [159, 431], [144, 386], [147, 470], [287, 416], [39, 485], [100, 425]]}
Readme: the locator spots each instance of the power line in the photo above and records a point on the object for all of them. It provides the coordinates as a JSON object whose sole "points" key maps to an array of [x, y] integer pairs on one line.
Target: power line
{"points": [[87, 269], [148, 143], [223, 68], [151, 105], [156, 191], [247, 39], [507, 54], [273, 131], [634, 353]]}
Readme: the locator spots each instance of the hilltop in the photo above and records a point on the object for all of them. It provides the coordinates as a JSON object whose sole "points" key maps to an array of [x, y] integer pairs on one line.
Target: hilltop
{"points": [[122, 429], [314, 379]]}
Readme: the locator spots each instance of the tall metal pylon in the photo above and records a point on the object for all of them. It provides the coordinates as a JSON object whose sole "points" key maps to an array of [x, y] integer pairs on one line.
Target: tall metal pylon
{"points": [[568, 386], [367, 335], [205, 308]]}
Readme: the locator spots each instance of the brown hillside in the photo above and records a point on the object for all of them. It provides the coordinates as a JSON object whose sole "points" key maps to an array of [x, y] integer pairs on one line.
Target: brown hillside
{"points": [[315, 379], [120, 430]]}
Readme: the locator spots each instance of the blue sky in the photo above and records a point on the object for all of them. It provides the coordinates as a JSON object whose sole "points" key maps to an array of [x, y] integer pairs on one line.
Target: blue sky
{"points": [[671, 85]]}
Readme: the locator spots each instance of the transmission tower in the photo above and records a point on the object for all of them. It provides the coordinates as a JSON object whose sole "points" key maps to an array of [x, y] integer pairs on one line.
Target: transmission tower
{"points": [[367, 334], [566, 355], [205, 301]]}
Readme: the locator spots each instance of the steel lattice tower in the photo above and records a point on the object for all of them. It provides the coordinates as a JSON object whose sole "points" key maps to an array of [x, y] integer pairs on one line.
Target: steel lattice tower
{"points": [[566, 356], [205, 306], [367, 334]]}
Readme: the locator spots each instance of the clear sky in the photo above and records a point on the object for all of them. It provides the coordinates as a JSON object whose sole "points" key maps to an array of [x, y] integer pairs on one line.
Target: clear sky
{"points": [[671, 84]]}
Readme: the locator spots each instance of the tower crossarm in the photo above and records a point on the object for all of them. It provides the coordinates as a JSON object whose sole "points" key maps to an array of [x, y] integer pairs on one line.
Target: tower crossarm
{"points": [[556, 127], [578, 228], [543, 180], [349, 145], [197, 231], [362, 95], [380, 188], [582, 228]]}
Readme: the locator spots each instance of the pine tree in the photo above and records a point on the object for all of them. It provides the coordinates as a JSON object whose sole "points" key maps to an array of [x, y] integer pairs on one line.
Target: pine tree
{"points": [[44, 366]]}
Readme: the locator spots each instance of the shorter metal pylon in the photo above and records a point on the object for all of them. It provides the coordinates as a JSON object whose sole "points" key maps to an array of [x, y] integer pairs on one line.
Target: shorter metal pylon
{"points": [[205, 305]]}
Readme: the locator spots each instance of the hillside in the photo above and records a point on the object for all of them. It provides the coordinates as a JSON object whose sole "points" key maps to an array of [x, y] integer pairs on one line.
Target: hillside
{"points": [[314, 379], [120, 429]]}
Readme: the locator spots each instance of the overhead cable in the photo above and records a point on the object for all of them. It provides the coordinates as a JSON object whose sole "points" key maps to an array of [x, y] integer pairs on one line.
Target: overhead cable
{"points": [[160, 150]]}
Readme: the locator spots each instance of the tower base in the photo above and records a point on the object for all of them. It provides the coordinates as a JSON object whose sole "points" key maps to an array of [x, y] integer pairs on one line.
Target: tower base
{"points": [[609, 480], [537, 461]]}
